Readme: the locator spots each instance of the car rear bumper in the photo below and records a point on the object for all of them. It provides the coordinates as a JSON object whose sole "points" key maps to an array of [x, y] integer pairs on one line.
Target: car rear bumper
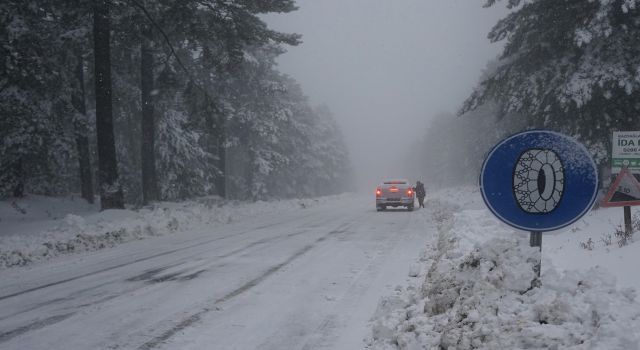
{"points": [[394, 202]]}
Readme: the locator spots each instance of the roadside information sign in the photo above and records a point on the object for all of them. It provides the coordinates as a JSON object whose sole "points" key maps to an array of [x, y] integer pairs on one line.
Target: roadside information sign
{"points": [[625, 191], [539, 181], [625, 151]]}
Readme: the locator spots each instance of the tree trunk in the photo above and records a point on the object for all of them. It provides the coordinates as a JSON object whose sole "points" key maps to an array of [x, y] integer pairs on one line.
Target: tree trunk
{"points": [[251, 171], [18, 170], [81, 130], [221, 178], [216, 142], [110, 188], [148, 128]]}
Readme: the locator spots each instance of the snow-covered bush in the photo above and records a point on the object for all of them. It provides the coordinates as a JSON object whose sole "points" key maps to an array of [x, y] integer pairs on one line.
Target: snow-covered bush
{"points": [[588, 245], [606, 239], [623, 236]]}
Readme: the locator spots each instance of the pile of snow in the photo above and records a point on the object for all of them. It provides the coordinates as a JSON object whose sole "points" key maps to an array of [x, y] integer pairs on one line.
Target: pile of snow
{"points": [[38, 228], [478, 291], [457, 198], [29, 212]]}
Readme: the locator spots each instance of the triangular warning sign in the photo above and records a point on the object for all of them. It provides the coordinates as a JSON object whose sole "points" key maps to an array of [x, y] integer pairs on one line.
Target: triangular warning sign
{"points": [[625, 191]]}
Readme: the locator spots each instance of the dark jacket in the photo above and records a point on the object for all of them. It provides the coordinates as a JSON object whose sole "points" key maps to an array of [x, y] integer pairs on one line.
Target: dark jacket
{"points": [[420, 192]]}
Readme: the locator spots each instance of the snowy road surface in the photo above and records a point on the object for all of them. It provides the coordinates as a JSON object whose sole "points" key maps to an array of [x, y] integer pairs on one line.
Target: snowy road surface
{"points": [[306, 279]]}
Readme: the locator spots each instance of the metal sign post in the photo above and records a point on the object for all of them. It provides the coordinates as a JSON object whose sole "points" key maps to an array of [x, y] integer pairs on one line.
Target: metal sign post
{"points": [[628, 228], [535, 240], [539, 181]]}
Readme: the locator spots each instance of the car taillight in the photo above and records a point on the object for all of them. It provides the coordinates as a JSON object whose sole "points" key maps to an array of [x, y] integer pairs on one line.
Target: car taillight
{"points": [[378, 192], [410, 192]]}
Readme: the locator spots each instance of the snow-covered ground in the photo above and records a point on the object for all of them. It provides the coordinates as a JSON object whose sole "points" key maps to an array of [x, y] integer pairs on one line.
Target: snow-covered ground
{"points": [[476, 289], [330, 273], [293, 278], [37, 228]]}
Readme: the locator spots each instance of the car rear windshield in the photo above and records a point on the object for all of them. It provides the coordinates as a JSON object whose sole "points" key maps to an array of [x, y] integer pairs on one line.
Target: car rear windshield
{"points": [[395, 182]]}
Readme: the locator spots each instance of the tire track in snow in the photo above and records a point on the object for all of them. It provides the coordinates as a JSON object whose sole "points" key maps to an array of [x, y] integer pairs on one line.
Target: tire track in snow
{"points": [[38, 324], [325, 334], [153, 275], [196, 317], [135, 261], [33, 326]]}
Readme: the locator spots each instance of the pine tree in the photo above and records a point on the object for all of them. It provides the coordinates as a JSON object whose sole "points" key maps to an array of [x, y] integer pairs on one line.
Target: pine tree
{"points": [[110, 188], [81, 128], [188, 85], [37, 80], [569, 65], [148, 126]]}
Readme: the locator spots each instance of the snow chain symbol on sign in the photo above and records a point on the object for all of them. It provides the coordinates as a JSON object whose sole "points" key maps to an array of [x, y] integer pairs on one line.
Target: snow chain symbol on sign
{"points": [[538, 181]]}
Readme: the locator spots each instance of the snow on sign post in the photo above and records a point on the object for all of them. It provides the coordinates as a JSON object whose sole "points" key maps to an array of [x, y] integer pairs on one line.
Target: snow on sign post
{"points": [[539, 181]]}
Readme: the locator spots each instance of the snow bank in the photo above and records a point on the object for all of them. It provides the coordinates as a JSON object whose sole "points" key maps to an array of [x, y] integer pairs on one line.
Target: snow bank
{"points": [[37, 228], [593, 242], [477, 293]]}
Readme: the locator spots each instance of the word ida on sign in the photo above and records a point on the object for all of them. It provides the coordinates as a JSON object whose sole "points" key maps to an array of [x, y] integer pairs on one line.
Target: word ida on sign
{"points": [[625, 151]]}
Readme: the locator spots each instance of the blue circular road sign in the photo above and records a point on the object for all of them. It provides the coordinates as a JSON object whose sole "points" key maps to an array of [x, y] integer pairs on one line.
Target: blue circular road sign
{"points": [[539, 180]]}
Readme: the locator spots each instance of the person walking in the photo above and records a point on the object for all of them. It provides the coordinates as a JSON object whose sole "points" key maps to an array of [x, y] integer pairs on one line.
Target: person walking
{"points": [[420, 193]]}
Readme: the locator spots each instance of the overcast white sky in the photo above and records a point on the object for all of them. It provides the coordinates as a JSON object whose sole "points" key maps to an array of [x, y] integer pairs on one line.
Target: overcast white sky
{"points": [[385, 67]]}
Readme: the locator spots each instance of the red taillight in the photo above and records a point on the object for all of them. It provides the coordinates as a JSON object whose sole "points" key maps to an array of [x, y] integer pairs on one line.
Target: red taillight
{"points": [[378, 192], [410, 192]]}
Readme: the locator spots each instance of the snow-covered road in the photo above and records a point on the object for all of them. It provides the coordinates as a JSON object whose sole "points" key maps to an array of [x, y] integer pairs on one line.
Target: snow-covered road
{"points": [[305, 279]]}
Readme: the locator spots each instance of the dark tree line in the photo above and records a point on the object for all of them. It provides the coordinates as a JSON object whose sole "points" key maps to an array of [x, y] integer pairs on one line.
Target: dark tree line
{"points": [[157, 99]]}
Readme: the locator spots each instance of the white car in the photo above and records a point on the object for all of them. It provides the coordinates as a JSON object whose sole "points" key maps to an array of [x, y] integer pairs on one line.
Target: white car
{"points": [[395, 193]]}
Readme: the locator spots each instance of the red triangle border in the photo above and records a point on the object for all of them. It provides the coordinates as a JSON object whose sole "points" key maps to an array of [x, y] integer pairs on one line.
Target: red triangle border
{"points": [[606, 201]]}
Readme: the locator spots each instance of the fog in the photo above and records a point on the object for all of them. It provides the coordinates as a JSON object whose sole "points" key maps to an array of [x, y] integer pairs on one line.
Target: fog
{"points": [[385, 68]]}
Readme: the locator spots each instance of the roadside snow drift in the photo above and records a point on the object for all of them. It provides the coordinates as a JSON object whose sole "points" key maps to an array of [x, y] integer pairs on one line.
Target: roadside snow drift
{"points": [[478, 293], [38, 228]]}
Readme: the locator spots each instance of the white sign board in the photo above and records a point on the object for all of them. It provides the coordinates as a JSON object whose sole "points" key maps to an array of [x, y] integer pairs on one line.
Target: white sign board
{"points": [[625, 151]]}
